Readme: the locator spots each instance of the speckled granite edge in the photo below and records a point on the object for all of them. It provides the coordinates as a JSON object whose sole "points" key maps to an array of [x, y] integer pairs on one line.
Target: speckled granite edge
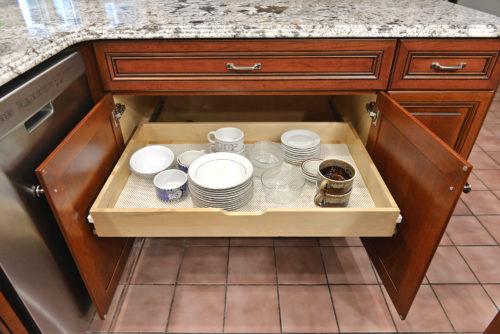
{"points": [[22, 61]]}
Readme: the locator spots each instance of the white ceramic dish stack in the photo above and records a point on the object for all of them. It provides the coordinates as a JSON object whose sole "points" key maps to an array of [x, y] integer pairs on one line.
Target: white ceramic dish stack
{"points": [[300, 145], [310, 170], [221, 180]]}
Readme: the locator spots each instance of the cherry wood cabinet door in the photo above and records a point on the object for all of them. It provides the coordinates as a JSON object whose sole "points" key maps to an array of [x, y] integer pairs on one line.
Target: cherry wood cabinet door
{"points": [[72, 176], [425, 177], [9, 321], [455, 117]]}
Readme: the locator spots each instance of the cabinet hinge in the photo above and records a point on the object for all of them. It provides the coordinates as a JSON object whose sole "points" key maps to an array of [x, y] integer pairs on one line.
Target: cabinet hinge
{"points": [[118, 112], [372, 112]]}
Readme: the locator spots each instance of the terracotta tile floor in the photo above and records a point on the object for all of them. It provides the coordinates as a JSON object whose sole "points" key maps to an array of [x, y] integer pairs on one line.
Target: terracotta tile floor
{"points": [[317, 285]]}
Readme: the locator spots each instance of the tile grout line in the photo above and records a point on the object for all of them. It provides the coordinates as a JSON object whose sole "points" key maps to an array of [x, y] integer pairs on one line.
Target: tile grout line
{"points": [[175, 288], [125, 287], [273, 284], [388, 309], [487, 231], [473, 273], [383, 295], [442, 307], [329, 289], [225, 292], [277, 286]]}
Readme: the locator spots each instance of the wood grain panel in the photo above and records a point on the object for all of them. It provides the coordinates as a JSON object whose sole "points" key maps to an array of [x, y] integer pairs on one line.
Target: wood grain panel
{"points": [[9, 321], [412, 69], [426, 178], [72, 176], [287, 65], [455, 117]]}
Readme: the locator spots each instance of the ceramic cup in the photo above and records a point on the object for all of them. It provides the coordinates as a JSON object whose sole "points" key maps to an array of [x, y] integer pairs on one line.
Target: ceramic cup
{"points": [[331, 201], [335, 184], [185, 159], [171, 185], [227, 140]]}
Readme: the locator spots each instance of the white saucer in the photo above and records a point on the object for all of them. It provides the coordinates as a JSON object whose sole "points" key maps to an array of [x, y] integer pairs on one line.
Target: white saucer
{"points": [[301, 139]]}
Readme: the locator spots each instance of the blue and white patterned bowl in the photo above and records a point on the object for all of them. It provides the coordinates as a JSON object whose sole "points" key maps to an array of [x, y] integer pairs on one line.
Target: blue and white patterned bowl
{"points": [[171, 185]]}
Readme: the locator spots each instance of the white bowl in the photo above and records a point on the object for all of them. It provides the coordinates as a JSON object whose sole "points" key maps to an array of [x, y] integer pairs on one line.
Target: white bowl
{"points": [[150, 160]]}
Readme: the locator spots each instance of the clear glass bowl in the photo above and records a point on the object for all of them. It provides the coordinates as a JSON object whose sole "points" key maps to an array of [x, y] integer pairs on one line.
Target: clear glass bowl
{"points": [[283, 184], [265, 155]]}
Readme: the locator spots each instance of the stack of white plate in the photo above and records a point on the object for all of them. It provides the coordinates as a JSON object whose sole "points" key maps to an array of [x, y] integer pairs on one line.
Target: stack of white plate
{"points": [[300, 145], [221, 180]]}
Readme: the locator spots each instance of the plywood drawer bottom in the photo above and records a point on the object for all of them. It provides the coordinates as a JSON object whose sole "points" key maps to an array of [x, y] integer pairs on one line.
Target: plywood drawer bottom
{"points": [[111, 219]]}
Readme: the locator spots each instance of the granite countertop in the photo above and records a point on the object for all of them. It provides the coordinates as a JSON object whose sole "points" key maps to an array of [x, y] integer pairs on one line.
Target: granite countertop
{"points": [[32, 31]]}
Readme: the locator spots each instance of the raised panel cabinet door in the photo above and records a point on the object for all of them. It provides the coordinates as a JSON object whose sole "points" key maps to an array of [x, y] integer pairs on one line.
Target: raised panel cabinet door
{"points": [[425, 177], [72, 176], [455, 117]]}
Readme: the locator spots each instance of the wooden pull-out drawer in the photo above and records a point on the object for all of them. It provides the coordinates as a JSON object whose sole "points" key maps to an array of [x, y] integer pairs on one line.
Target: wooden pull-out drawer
{"points": [[446, 64], [378, 220], [245, 66]]}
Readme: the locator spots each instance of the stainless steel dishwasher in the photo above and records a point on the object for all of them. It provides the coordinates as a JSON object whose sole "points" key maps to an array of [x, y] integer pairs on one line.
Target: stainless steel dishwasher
{"points": [[37, 110]]}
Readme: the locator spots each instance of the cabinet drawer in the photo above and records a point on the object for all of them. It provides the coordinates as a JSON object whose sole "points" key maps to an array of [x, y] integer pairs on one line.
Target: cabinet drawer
{"points": [[446, 64], [257, 66], [379, 220]]}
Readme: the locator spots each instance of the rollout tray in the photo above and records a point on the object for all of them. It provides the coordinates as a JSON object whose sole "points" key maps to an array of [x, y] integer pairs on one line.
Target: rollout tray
{"points": [[127, 204]]}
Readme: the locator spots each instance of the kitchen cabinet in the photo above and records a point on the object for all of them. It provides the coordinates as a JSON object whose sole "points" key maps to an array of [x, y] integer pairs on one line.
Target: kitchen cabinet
{"points": [[258, 66], [422, 172], [446, 64], [455, 117], [71, 177]]}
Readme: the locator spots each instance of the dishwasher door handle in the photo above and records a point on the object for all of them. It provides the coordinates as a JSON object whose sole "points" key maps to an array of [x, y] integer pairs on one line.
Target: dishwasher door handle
{"points": [[39, 117]]}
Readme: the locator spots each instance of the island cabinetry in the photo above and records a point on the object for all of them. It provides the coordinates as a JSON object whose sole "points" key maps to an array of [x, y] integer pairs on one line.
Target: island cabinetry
{"points": [[424, 175], [448, 85], [245, 66]]}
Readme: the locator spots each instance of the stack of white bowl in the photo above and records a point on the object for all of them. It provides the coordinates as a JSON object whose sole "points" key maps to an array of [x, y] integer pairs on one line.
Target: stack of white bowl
{"points": [[300, 145], [221, 180]]}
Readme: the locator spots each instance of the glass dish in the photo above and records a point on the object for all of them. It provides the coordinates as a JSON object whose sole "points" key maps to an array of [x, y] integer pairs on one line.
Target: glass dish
{"points": [[283, 184], [265, 155]]}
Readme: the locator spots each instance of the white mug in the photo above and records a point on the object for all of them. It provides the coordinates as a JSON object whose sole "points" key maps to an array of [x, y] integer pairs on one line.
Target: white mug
{"points": [[227, 140]]}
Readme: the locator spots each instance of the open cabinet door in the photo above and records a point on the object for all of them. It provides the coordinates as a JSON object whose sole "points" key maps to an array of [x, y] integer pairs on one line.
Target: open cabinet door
{"points": [[72, 176], [426, 178]]}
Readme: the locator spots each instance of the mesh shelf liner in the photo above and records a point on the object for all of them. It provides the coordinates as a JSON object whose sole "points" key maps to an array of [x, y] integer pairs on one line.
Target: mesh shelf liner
{"points": [[139, 192]]}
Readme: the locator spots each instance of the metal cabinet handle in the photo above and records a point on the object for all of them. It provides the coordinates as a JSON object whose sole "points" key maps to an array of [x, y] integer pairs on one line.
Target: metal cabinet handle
{"points": [[439, 67], [256, 66]]}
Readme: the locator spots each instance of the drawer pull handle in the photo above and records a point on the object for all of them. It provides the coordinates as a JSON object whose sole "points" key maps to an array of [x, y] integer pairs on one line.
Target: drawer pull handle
{"points": [[256, 66], [439, 67]]}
